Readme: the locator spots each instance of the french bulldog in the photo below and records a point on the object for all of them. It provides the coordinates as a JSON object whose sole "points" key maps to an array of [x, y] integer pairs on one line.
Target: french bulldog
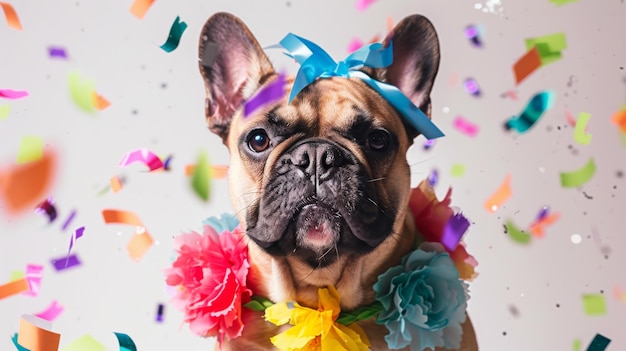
{"points": [[321, 184]]}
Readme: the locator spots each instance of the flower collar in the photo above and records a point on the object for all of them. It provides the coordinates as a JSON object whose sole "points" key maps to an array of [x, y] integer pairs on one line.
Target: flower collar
{"points": [[421, 302]]}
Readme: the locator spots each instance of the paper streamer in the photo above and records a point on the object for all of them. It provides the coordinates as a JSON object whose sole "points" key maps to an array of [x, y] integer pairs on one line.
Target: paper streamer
{"points": [[599, 343], [23, 186], [453, 231], [84, 343], [34, 334], [13, 288], [81, 90], [11, 16], [34, 274], [464, 126], [503, 193], [270, 94], [201, 177], [13, 94], [139, 243], [144, 156], [176, 32], [68, 220], [126, 343], [536, 107], [594, 304], [526, 65], [57, 52], [65, 262], [17, 346], [517, 235], [580, 176], [580, 135], [5, 110], [51, 312], [140, 7], [362, 5]]}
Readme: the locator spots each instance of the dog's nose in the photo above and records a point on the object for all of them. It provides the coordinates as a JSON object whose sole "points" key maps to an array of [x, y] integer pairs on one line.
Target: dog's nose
{"points": [[319, 159]]}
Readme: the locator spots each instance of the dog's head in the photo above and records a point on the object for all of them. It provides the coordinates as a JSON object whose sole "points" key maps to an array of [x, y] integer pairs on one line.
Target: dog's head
{"points": [[323, 177]]}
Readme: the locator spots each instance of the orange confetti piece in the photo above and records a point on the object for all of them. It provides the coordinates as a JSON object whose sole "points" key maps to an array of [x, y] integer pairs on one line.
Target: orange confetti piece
{"points": [[25, 185], [389, 24], [217, 172], [500, 196], [140, 7], [116, 184], [619, 118], [99, 102], [121, 217], [13, 288], [11, 16], [139, 245], [33, 336], [537, 228], [526, 65]]}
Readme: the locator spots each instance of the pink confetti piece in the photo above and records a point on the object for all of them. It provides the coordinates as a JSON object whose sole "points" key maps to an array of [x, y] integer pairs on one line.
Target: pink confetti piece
{"points": [[13, 94], [354, 45], [52, 312], [144, 156], [273, 92], [33, 278], [65, 262], [362, 5], [464, 126]]}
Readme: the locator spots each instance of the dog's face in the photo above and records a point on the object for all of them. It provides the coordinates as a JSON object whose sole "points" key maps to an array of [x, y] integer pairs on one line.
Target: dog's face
{"points": [[324, 177]]}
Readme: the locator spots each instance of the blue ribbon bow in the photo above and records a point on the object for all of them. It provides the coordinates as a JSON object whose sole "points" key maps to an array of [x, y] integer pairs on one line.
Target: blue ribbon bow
{"points": [[316, 63]]}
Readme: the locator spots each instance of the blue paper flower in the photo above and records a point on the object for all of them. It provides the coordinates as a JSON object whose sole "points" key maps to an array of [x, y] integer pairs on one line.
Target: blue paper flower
{"points": [[225, 222], [424, 302]]}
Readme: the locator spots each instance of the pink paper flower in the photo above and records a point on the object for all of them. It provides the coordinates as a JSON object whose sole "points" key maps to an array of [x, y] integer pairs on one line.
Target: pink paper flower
{"points": [[211, 274]]}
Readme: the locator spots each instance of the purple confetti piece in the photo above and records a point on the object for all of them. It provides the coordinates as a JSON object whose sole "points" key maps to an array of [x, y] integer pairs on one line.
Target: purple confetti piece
{"points": [[599, 343], [473, 34], [65, 262], [471, 86], [159, 316], [47, 207], [543, 213], [454, 230], [57, 52], [166, 163], [269, 94], [433, 177], [68, 220], [428, 144]]}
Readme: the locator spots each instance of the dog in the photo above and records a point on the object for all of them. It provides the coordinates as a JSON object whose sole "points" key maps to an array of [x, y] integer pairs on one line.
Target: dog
{"points": [[320, 184]]}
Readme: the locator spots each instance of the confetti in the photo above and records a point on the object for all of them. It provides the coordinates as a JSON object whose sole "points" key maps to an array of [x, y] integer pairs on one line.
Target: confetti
{"points": [[176, 32], [619, 118], [144, 156], [526, 65], [159, 314], [116, 184], [580, 176], [78, 233], [57, 52], [428, 144], [47, 207], [271, 93], [362, 5], [13, 288], [471, 87], [31, 149], [562, 2], [34, 334], [81, 90], [453, 232], [594, 304], [84, 343], [11, 16], [599, 343], [458, 170], [52, 312], [536, 107], [140, 7], [13, 94], [166, 163], [126, 343], [22, 186], [200, 179], [33, 278], [17, 346], [503, 193], [68, 220], [139, 244], [537, 228], [99, 102], [519, 236], [65, 262], [5, 110], [579, 130], [464, 126], [433, 177], [354, 45], [549, 47], [121, 217], [576, 345], [473, 34]]}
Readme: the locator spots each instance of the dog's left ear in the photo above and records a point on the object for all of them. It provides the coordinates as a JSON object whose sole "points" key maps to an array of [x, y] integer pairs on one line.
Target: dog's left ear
{"points": [[415, 62]]}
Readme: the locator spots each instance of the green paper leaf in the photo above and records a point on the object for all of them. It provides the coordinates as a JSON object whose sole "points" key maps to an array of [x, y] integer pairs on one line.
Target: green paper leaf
{"points": [[258, 303]]}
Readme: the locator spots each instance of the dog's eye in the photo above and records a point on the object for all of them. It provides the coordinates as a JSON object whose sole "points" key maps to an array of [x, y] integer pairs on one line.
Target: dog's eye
{"points": [[258, 141], [378, 140]]}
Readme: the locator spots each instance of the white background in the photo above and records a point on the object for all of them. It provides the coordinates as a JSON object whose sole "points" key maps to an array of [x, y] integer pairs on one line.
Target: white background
{"points": [[157, 102]]}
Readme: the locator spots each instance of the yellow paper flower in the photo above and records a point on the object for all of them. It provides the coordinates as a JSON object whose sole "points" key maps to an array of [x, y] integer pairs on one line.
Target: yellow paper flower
{"points": [[315, 329]]}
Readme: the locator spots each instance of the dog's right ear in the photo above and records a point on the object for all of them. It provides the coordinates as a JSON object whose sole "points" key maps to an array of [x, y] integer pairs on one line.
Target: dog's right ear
{"points": [[233, 66]]}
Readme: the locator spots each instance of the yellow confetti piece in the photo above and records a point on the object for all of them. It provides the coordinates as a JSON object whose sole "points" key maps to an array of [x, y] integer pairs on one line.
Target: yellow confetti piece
{"points": [[576, 345], [580, 135], [81, 91], [594, 304], [84, 343], [458, 170], [17, 275], [5, 110], [31, 149]]}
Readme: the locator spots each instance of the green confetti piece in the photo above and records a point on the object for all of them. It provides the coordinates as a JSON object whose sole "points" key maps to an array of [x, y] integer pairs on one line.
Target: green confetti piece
{"points": [[580, 135], [125, 341], [562, 2], [176, 32], [81, 91], [580, 176], [594, 304], [548, 46], [5, 110], [84, 343], [576, 345], [519, 236], [31, 149], [458, 170], [599, 343], [16, 275], [201, 177]]}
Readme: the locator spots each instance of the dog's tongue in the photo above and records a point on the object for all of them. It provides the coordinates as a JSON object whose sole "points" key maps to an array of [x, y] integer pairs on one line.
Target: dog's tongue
{"points": [[314, 228]]}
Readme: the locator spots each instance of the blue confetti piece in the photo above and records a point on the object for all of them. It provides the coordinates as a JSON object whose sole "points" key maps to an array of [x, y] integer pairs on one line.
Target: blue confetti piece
{"points": [[176, 32], [126, 343], [599, 343], [535, 108]]}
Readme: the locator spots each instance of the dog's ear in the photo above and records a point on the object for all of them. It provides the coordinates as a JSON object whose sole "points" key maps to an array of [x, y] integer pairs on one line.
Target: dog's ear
{"points": [[415, 62], [233, 66]]}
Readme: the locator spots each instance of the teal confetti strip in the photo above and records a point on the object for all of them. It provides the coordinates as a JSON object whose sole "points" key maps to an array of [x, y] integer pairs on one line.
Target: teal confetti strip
{"points": [[599, 343], [126, 343], [176, 32], [536, 107], [18, 346]]}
